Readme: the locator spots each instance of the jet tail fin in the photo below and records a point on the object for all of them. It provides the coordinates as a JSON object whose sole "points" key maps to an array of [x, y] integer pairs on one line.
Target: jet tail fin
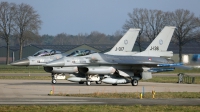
{"points": [[161, 42], [159, 45], [126, 43]]}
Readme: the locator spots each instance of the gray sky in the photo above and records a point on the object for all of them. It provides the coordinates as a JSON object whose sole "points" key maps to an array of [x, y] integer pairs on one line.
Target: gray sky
{"points": [[106, 16]]}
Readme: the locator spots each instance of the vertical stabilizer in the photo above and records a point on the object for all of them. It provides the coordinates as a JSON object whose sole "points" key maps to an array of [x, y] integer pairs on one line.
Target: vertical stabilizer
{"points": [[161, 42], [126, 43]]}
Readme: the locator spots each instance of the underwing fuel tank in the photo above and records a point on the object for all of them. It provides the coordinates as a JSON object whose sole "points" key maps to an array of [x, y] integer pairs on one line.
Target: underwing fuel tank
{"points": [[97, 70], [77, 79], [115, 80], [83, 79]]}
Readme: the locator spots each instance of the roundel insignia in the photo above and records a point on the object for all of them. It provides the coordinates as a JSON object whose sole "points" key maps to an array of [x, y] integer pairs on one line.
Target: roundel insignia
{"points": [[160, 41], [125, 41]]}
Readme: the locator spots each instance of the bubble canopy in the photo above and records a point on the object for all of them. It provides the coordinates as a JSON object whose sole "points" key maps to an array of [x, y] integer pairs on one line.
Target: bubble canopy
{"points": [[81, 53], [46, 52]]}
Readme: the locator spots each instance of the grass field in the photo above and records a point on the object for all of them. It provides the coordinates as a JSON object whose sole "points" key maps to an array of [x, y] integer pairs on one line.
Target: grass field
{"points": [[21, 69], [97, 108], [147, 95], [169, 79]]}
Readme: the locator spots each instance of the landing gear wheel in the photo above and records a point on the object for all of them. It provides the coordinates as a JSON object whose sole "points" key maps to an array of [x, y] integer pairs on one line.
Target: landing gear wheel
{"points": [[53, 81], [88, 83], [114, 84], [134, 82], [81, 82], [98, 82]]}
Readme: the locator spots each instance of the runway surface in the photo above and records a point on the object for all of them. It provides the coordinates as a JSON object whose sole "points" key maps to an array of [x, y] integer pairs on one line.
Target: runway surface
{"points": [[35, 92]]}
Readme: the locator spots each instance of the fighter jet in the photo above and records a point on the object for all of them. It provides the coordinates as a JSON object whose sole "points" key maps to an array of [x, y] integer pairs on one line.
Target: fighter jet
{"points": [[123, 68], [123, 47], [125, 44], [166, 33]]}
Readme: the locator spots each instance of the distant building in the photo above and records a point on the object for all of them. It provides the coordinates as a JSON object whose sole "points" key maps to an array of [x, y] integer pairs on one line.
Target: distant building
{"points": [[3, 54]]}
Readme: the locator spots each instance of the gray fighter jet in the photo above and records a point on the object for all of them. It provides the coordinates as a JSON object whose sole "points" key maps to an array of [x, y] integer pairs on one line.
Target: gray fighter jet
{"points": [[123, 68], [44, 56]]}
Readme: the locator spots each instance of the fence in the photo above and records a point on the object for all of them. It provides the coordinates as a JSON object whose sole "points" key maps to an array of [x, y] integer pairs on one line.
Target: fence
{"points": [[183, 78]]}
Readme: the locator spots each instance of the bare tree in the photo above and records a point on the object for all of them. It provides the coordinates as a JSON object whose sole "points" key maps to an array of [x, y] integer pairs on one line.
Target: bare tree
{"points": [[31, 38], [46, 39], [80, 39], [26, 20], [60, 39], [96, 37], [116, 37], [188, 28], [156, 20], [151, 22], [7, 13], [137, 20]]}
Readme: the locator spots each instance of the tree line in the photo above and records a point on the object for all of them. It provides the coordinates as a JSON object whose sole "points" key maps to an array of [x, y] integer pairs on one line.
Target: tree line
{"points": [[19, 25], [20, 21]]}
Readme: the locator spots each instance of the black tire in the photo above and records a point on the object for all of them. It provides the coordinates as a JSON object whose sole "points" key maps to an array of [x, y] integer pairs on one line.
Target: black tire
{"points": [[134, 82], [114, 84], [98, 82], [53, 81], [81, 82], [88, 83]]}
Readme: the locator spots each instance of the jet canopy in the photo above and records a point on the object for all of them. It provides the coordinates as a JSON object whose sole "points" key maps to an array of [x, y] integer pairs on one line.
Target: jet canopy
{"points": [[81, 53], [46, 52]]}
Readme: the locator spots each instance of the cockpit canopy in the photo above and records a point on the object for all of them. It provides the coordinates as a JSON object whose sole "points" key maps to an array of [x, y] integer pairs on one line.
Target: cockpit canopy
{"points": [[46, 52], [81, 53]]}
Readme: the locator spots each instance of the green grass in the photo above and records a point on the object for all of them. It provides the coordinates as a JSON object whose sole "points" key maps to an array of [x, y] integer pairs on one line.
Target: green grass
{"points": [[169, 79], [193, 70], [26, 77], [97, 108], [147, 95], [21, 69]]}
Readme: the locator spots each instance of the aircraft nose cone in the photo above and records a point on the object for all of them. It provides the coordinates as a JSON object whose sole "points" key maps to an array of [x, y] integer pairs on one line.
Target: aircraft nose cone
{"points": [[22, 62], [56, 63]]}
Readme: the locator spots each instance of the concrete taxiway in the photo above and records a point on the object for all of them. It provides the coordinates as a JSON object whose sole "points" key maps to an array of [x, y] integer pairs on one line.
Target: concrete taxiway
{"points": [[35, 92]]}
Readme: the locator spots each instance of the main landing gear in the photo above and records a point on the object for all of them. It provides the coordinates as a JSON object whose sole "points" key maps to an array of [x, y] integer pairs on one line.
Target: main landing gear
{"points": [[134, 82], [56, 76], [92, 78], [53, 81], [88, 83], [81, 82], [98, 82]]}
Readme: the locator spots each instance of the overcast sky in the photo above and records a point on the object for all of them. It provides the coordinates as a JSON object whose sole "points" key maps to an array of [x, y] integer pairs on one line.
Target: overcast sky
{"points": [[106, 16]]}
